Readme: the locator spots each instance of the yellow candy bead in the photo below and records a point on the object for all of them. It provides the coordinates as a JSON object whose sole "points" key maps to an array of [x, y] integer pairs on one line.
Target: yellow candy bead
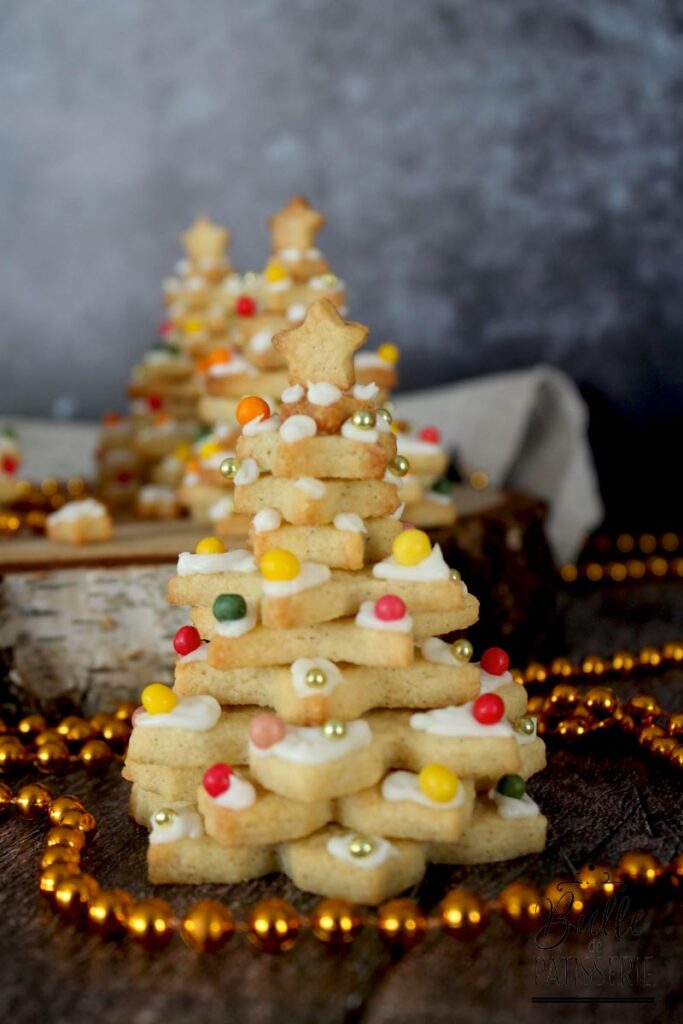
{"points": [[279, 564], [275, 272], [158, 699], [209, 449], [210, 546], [193, 327], [411, 547], [438, 783], [389, 352], [182, 453]]}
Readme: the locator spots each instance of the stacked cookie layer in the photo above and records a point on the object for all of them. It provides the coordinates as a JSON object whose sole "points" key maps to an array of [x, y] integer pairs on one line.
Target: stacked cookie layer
{"points": [[382, 746]]}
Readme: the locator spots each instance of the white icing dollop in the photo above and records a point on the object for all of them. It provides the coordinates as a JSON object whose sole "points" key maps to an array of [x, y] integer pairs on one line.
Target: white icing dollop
{"points": [[353, 433], [431, 568], [311, 574], [489, 683], [363, 360], [367, 619], [196, 714], [302, 666], [296, 312], [511, 807], [406, 786], [279, 286], [260, 426], [222, 509], [261, 341], [266, 520], [152, 493], [239, 560], [296, 428], [437, 651], [239, 795], [290, 254], [293, 393], [382, 850], [316, 488], [232, 628], [303, 744], [323, 393], [200, 653], [183, 825], [458, 721], [365, 392], [89, 508], [437, 498], [247, 473], [234, 366], [407, 445], [349, 521]]}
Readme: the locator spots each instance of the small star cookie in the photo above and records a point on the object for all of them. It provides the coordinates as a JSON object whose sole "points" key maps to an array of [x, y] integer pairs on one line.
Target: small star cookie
{"points": [[295, 225], [206, 240], [322, 347]]}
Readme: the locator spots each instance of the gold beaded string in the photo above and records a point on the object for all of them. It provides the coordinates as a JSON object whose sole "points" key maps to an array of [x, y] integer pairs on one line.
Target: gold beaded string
{"points": [[627, 557], [274, 926], [72, 741], [34, 502]]}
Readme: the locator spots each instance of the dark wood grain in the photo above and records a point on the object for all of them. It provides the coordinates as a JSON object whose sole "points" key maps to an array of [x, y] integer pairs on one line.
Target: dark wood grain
{"points": [[601, 800]]}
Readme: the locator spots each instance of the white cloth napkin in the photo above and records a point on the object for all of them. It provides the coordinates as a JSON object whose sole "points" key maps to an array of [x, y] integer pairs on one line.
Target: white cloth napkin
{"points": [[528, 431]]}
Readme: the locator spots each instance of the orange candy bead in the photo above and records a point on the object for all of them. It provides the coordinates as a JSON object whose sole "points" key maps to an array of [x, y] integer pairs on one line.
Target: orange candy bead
{"points": [[250, 407]]}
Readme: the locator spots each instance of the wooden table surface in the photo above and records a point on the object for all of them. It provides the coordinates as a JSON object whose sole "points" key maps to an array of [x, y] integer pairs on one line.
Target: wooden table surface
{"points": [[601, 801]]}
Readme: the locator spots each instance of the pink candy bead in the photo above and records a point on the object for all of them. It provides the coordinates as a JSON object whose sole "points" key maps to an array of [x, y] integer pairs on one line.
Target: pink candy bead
{"points": [[266, 729], [389, 608]]}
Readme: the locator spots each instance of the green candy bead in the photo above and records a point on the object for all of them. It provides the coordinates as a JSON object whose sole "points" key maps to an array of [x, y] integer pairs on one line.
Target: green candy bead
{"points": [[511, 785], [442, 486], [228, 607], [201, 434]]}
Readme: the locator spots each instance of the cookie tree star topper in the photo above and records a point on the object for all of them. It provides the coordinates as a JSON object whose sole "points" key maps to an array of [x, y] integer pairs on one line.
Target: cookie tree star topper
{"points": [[206, 240], [322, 347], [296, 225]]}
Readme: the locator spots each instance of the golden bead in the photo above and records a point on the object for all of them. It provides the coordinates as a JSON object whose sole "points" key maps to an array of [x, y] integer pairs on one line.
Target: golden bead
{"points": [[384, 414], [49, 736], [675, 724], [593, 665], [207, 926], [95, 754], [663, 746], [400, 922], [600, 702], [535, 704], [676, 872], [525, 726], [273, 925], [535, 673], [569, 573], [563, 697], [69, 723], [455, 575], [522, 907], [52, 876], [334, 729], [517, 676], [150, 923], [567, 899], [561, 667], [72, 895], [462, 650], [399, 466], [315, 678], [81, 820], [594, 572], [649, 656], [360, 846], [336, 922], [59, 855], [116, 732], [363, 419], [640, 868], [99, 721], [31, 724], [63, 836], [463, 914], [108, 912], [571, 729], [33, 800], [125, 710], [676, 756], [229, 468], [598, 881], [673, 652], [61, 804], [623, 661], [12, 753], [643, 707], [650, 733], [617, 572], [52, 756], [626, 722]]}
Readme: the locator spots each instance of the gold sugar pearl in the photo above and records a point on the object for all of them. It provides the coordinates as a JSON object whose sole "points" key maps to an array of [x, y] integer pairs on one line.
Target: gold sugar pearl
{"points": [[229, 468], [455, 575], [399, 465], [316, 678], [334, 729], [361, 846], [526, 725], [165, 817], [462, 650], [363, 419], [384, 414]]}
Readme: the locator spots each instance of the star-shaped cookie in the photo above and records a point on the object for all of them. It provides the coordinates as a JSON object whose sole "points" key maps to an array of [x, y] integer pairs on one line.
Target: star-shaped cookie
{"points": [[206, 240], [322, 347], [295, 225]]}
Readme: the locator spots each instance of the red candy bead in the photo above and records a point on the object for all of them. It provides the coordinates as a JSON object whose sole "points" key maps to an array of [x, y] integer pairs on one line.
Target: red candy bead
{"points": [[245, 306], [140, 710], [9, 465], [217, 779], [165, 328], [186, 640], [408, 526], [266, 729], [124, 476], [488, 709], [495, 661], [155, 402], [430, 434], [389, 608]]}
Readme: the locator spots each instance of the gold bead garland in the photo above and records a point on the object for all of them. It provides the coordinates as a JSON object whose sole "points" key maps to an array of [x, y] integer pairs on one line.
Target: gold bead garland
{"points": [[34, 503], [647, 556], [73, 741]]}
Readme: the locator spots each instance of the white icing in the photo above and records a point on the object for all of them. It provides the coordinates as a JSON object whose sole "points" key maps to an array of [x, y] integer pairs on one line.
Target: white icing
{"points": [[406, 786], [239, 795], [489, 683], [323, 393], [437, 498], [297, 311], [279, 286], [182, 268], [89, 508], [261, 341], [208, 262], [431, 568], [222, 509], [195, 283], [296, 428], [312, 574], [159, 356], [303, 744], [151, 493], [383, 426], [247, 473], [321, 285], [190, 479], [239, 560], [313, 253], [349, 521], [365, 392], [235, 365], [363, 360], [302, 666], [290, 255], [199, 654], [338, 847], [266, 520], [458, 721], [260, 426], [367, 619], [232, 628], [354, 433], [399, 511], [408, 445], [184, 825], [196, 714], [170, 284], [214, 461], [316, 488], [510, 807], [292, 394], [437, 651]]}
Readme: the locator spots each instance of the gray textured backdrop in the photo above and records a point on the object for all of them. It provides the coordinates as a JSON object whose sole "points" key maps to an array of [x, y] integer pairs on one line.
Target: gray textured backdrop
{"points": [[502, 179]]}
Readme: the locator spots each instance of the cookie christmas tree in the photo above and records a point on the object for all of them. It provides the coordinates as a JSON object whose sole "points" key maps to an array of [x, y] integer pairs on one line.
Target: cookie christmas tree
{"points": [[317, 724]]}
